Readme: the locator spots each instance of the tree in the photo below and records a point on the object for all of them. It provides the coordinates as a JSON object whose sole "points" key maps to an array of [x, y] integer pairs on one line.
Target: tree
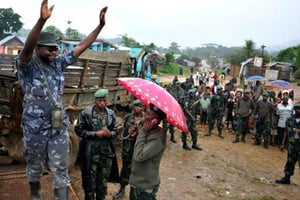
{"points": [[170, 58], [73, 33], [9, 22], [249, 48], [129, 42], [56, 31], [174, 47]]}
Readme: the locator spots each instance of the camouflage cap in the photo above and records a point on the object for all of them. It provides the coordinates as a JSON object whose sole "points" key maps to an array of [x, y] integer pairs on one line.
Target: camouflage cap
{"points": [[158, 111], [266, 94], [101, 94], [47, 39], [192, 91]]}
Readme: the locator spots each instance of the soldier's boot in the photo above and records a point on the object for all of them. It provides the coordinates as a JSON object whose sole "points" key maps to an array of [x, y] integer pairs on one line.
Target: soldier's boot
{"points": [[35, 188], [120, 193], [285, 180], [256, 142], [186, 146], [266, 144], [243, 139], [208, 133], [220, 134], [236, 139], [61, 193], [197, 147], [172, 139]]}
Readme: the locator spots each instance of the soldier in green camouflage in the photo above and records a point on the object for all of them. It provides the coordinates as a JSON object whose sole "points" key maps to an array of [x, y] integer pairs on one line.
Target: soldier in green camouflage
{"points": [[96, 126], [132, 123], [217, 108], [293, 136], [189, 109]]}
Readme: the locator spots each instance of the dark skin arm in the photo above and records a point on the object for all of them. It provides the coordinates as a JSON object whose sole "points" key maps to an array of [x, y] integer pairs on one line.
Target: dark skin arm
{"points": [[45, 14], [34, 34]]}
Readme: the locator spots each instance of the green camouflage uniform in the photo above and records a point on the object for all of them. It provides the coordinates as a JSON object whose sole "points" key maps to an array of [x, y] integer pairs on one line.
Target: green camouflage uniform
{"points": [[293, 146], [127, 149], [98, 155], [189, 110], [217, 103]]}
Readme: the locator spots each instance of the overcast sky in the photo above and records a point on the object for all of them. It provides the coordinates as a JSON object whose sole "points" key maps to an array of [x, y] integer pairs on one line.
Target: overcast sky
{"points": [[189, 23]]}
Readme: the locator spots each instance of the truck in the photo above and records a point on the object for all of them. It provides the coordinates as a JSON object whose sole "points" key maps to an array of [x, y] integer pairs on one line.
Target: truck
{"points": [[92, 71]]}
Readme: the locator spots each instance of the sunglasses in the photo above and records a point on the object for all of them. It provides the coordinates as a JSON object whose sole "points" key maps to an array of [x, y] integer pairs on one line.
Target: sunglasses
{"points": [[51, 48]]}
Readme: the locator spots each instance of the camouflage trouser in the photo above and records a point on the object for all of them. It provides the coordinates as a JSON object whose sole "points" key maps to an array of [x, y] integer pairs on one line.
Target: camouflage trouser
{"points": [[293, 157], [194, 133], [48, 147], [213, 118], [241, 125], [263, 128], [127, 152], [142, 194], [99, 174]]}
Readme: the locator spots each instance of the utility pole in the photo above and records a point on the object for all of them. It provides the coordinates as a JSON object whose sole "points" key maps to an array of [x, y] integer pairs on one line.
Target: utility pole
{"points": [[262, 53], [69, 31]]}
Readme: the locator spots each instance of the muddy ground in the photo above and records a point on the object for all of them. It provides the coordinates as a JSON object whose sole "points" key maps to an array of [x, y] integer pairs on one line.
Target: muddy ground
{"points": [[223, 170]]}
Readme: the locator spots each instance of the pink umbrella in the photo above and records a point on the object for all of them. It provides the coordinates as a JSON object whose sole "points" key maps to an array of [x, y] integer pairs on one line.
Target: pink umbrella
{"points": [[149, 92]]}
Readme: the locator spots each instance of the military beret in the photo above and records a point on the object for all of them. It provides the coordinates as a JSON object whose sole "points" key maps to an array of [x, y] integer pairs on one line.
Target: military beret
{"points": [[101, 94], [266, 94], [158, 111], [137, 103], [193, 90], [247, 92], [297, 106]]}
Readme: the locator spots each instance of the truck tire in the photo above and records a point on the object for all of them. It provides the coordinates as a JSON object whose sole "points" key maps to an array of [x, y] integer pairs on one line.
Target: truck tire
{"points": [[74, 146]]}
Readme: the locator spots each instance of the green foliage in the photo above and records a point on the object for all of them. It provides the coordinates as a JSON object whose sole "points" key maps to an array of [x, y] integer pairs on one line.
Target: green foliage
{"points": [[9, 22], [56, 31], [174, 47], [72, 33], [171, 68], [297, 74], [249, 48], [170, 58], [288, 55]]}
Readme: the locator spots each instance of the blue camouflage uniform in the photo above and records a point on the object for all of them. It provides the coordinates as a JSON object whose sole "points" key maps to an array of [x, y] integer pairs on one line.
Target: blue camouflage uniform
{"points": [[43, 143]]}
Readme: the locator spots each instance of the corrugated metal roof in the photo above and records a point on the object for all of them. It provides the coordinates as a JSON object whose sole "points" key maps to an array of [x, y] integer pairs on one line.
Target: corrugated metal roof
{"points": [[11, 37]]}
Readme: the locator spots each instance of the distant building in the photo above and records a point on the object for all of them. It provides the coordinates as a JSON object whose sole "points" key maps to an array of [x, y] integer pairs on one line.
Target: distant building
{"points": [[11, 45]]}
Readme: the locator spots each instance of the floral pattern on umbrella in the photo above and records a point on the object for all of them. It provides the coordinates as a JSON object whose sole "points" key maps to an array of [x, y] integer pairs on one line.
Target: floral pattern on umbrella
{"points": [[149, 92]]}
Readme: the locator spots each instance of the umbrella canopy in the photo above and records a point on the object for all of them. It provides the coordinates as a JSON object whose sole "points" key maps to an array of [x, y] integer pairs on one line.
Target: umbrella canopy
{"points": [[280, 84], [256, 78], [149, 92]]}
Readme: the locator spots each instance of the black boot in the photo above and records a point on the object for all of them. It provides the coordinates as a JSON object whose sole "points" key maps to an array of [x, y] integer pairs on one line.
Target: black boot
{"points": [[236, 140], [35, 188], [256, 142], [172, 139], [243, 139], [186, 146], [120, 193], [61, 193], [284, 180], [195, 146], [266, 144], [220, 134]]}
